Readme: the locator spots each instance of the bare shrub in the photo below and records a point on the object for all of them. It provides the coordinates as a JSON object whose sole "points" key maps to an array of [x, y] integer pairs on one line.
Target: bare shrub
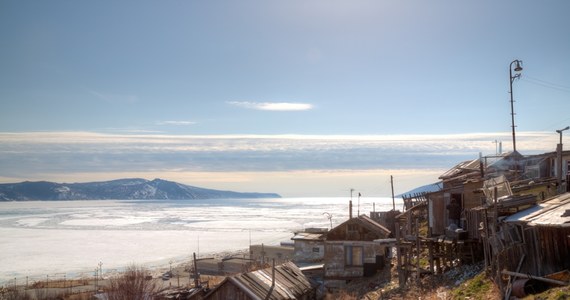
{"points": [[41, 294], [131, 285], [13, 294]]}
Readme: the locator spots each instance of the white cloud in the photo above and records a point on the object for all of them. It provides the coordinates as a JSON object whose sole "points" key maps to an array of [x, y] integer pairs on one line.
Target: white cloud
{"points": [[176, 123], [273, 106]]}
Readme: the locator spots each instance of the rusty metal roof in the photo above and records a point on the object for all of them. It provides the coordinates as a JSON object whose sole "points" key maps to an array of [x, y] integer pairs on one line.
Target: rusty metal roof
{"points": [[290, 283], [553, 213]]}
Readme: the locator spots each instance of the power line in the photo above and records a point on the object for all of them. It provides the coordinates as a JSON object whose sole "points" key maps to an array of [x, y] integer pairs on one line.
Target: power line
{"points": [[546, 84]]}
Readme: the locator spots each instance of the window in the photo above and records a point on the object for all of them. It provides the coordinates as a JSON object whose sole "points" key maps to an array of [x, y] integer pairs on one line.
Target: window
{"points": [[352, 232], [354, 255], [532, 171], [316, 249]]}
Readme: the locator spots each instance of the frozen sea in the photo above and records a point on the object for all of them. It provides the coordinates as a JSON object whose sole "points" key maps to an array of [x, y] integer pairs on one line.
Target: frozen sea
{"points": [[71, 238]]}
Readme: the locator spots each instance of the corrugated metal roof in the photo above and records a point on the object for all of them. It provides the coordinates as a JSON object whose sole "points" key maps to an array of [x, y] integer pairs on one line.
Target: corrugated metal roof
{"points": [[469, 166], [309, 236], [290, 283], [554, 213]]}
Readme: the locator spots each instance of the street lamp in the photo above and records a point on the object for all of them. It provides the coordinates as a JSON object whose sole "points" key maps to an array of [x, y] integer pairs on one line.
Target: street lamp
{"points": [[559, 150], [518, 68]]}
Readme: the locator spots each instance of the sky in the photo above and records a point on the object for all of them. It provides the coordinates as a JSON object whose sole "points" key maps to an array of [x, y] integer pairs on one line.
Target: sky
{"points": [[302, 98]]}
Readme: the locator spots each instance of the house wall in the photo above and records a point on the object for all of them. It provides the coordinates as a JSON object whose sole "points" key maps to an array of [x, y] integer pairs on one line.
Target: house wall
{"points": [[437, 214], [227, 291], [546, 249], [555, 249], [335, 259], [235, 265], [308, 251], [386, 218], [472, 196], [265, 254], [541, 191], [209, 266]]}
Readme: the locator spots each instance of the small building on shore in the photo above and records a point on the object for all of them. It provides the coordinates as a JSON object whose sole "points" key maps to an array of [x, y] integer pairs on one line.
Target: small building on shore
{"points": [[264, 254], [351, 253]]}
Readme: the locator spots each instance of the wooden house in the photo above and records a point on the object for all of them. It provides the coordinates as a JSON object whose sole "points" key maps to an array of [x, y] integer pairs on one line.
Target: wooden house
{"points": [[488, 191], [309, 245], [350, 250], [275, 283], [461, 185], [466, 183]]}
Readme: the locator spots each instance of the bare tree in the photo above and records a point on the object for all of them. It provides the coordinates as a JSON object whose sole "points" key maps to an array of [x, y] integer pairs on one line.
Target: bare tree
{"points": [[132, 285]]}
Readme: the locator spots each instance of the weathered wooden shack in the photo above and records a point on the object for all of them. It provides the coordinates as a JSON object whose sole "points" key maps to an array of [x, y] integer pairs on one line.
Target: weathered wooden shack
{"points": [[350, 250], [309, 245], [542, 234], [466, 182], [465, 201], [276, 283], [461, 184]]}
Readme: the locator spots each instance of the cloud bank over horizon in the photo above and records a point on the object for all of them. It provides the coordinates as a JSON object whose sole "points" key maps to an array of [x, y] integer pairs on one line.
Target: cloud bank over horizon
{"points": [[244, 161]]}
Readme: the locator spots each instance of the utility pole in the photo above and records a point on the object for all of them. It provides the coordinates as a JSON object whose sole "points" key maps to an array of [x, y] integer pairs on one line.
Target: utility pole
{"points": [[196, 275], [512, 78], [392, 185], [559, 152]]}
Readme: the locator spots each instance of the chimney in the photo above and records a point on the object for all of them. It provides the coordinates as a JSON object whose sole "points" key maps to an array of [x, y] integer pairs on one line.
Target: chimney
{"points": [[500, 147], [350, 209], [272, 282]]}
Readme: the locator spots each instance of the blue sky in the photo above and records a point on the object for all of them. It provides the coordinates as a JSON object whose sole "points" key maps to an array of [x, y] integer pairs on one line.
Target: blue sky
{"points": [[322, 92]]}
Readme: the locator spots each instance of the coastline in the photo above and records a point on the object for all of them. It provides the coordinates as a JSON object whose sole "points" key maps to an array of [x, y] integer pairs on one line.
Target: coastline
{"points": [[69, 239], [155, 269]]}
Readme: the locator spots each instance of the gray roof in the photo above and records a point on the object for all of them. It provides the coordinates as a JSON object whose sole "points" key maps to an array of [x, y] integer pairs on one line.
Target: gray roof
{"points": [[307, 236], [469, 167], [553, 213], [290, 283]]}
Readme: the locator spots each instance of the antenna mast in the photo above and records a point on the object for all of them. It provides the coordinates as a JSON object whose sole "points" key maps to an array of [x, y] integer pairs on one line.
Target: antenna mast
{"points": [[392, 185]]}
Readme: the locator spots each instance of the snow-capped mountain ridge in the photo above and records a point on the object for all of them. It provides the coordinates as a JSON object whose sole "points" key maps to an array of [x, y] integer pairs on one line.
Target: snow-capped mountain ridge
{"points": [[120, 189]]}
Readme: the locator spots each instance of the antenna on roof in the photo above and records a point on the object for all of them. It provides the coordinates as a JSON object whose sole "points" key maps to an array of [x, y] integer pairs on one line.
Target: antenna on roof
{"points": [[358, 209]]}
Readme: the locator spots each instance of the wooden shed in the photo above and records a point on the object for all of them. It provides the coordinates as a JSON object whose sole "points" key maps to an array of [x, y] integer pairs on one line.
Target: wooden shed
{"points": [[361, 228], [542, 234], [350, 250], [279, 283]]}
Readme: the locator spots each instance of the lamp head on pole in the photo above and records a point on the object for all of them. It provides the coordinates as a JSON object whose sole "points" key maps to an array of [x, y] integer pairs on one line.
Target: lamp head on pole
{"points": [[565, 128], [518, 67]]}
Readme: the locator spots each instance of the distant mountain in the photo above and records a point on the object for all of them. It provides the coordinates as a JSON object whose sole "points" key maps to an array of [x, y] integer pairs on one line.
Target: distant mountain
{"points": [[121, 189]]}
